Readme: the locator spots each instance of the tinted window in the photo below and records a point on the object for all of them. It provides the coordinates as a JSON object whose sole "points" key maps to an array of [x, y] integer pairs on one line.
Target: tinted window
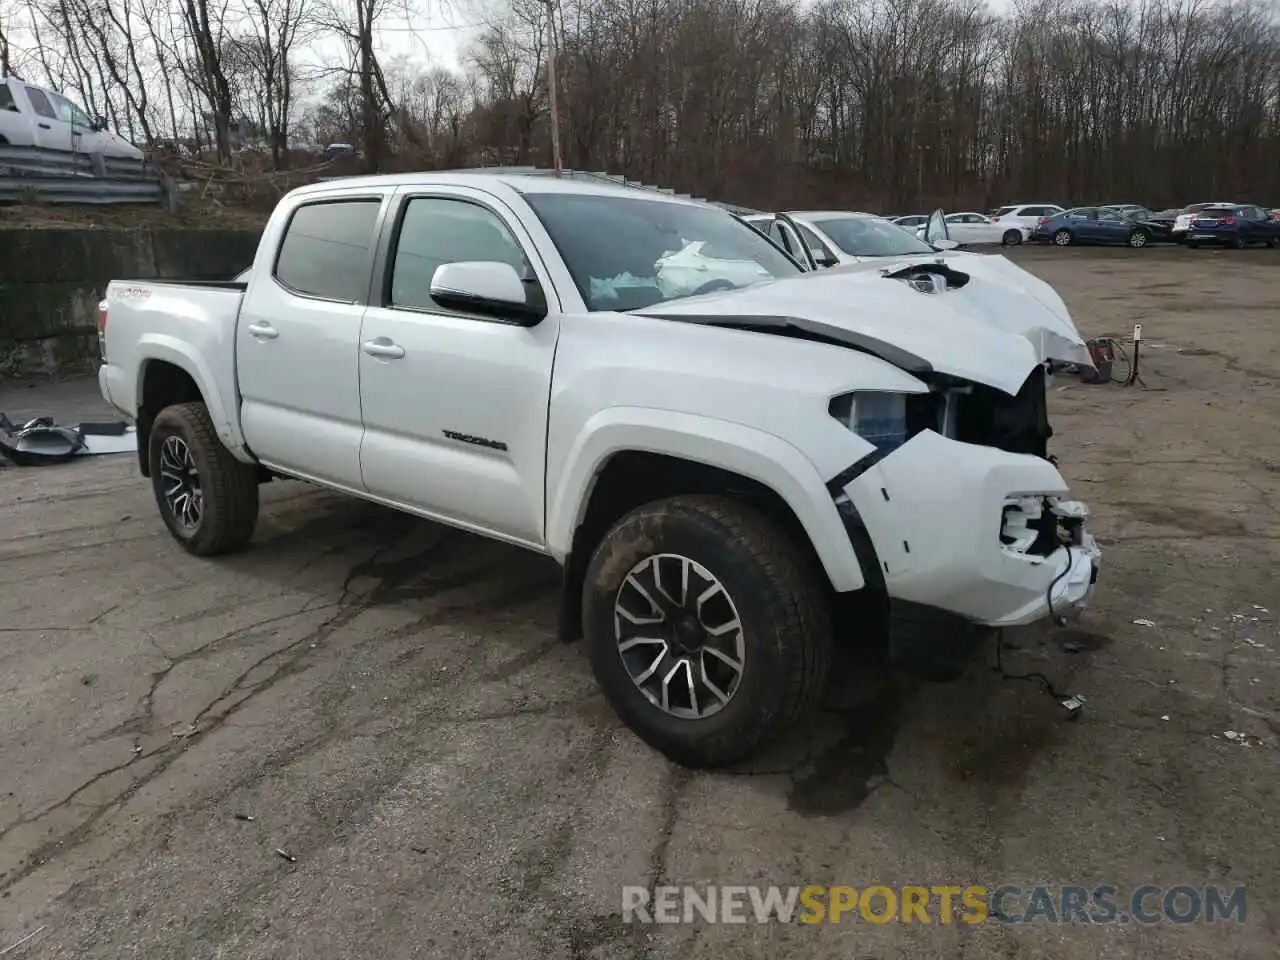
{"points": [[1109, 216], [436, 231], [40, 103], [6, 99], [1030, 211], [865, 237], [325, 252], [629, 252]]}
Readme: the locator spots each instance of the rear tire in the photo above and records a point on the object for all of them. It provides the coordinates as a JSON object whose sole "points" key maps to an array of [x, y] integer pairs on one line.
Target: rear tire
{"points": [[207, 498], [1138, 239], [1011, 238], [716, 562], [1238, 242], [1063, 238]]}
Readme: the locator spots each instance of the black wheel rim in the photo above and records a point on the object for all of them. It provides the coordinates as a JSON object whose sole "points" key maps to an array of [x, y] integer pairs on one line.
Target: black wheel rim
{"points": [[679, 636], [180, 484]]}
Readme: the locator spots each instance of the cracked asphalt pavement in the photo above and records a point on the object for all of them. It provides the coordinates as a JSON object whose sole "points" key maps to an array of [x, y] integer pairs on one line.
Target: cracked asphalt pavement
{"points": [[361, 738]]}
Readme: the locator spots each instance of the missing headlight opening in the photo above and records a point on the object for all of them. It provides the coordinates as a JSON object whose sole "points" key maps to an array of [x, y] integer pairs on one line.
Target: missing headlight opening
{"points": [[1037, 526], [978, 414]]}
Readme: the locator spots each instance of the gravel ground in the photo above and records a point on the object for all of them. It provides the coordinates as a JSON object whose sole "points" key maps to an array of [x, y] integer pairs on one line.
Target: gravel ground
{"points": [[387, 701]]}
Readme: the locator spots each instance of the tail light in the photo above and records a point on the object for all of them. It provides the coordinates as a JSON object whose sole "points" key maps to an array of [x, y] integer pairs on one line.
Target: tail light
{"points": [[1227, 221], [102, 330], [1044, 221]]}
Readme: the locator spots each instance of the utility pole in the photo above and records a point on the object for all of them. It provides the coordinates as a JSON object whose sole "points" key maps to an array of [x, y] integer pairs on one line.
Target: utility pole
{"points": [[551, 87]]}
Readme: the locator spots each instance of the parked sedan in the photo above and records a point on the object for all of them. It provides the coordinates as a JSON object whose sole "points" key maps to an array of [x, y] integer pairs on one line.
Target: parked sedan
{"points": [[1237, 225], [1085, 225], [969, 229]]}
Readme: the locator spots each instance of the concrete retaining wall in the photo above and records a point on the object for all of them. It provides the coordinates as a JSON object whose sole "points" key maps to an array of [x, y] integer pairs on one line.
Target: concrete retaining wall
{"points": [[51, 282]]}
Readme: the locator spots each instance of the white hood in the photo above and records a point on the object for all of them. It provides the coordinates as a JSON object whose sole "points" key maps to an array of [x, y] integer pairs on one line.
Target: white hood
{"points": [[1002, 293], [963, 332]]}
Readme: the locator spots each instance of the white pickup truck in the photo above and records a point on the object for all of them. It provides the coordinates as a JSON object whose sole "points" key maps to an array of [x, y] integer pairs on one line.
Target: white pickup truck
{"points": [[736, 468], [31, 116]]}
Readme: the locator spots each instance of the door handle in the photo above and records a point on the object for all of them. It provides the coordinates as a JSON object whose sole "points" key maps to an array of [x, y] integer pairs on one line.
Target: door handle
{"points": [[383, 349], [263, 331], [44, 126]]}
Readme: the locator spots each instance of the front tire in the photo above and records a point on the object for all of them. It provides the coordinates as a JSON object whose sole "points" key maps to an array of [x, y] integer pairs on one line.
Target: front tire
{"points": [[1138, 239], [1063, 238], [706, 627], [207, 498]]}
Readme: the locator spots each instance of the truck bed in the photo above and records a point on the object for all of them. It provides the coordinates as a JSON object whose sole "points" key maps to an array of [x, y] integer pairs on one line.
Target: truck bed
{"points": [[190, 325]]}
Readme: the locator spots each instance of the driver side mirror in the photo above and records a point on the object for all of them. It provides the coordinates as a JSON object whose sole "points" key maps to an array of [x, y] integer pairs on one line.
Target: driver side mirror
{"points": [[825, 260], [487, 287], [98, 124], [945, 244]]}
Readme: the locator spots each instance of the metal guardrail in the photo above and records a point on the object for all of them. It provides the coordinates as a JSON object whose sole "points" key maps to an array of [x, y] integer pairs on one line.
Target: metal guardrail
{"points": [[67, 163], [41, 175], [95, 190]]}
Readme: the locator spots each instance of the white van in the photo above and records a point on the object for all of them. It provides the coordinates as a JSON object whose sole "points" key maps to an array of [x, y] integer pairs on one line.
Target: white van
{"points": [[34, 117]]}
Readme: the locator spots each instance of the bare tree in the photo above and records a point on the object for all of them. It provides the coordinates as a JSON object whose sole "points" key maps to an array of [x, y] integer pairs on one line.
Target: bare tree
{"points": [[206, 32], [277, 28]]}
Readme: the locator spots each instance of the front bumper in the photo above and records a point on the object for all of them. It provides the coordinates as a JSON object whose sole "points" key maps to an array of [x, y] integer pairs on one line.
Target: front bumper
{"points": [[953, 527]]}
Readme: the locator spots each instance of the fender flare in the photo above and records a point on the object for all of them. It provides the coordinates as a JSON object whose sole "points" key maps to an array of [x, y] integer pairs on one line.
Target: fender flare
{"points": [[167, 349], [759, 456]]}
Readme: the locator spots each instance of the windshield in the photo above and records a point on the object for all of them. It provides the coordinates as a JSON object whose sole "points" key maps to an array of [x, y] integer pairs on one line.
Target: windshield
{"points": [[865, 237], [625, 253]]}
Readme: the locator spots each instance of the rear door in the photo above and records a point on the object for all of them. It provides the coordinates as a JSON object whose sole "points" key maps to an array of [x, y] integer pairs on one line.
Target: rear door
{"points": [[1083, 223], [455, 404], [51, 132], [298, 338], [16, 125]]}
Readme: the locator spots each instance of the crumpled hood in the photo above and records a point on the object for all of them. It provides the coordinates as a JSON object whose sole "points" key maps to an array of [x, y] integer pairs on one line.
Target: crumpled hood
{"points": [[953, 334], [1002, 293]]}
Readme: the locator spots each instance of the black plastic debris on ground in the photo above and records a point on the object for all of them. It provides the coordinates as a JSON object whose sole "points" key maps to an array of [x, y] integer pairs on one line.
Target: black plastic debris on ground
{"points": [[42, 442]]}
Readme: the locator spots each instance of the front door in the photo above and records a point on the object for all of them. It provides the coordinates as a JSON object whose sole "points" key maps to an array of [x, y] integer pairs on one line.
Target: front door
{"points": [[1111, 227], [298, 339], [455, 404]]}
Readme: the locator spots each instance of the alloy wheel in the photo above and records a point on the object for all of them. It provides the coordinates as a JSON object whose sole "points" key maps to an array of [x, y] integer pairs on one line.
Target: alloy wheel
{"points": [[181, 481], [679, 636]]}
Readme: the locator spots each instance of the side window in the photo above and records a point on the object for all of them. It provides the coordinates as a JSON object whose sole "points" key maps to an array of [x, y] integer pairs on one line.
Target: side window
{"points": [[41, 103], [1034, 212], [819, 249], [437, 231], [325, 252], [780, 237], [1110, 216], [6, 99]]}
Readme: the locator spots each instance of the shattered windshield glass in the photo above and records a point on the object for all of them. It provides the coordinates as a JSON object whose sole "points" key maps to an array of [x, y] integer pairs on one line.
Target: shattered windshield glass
{"points": [[625, 253]]}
